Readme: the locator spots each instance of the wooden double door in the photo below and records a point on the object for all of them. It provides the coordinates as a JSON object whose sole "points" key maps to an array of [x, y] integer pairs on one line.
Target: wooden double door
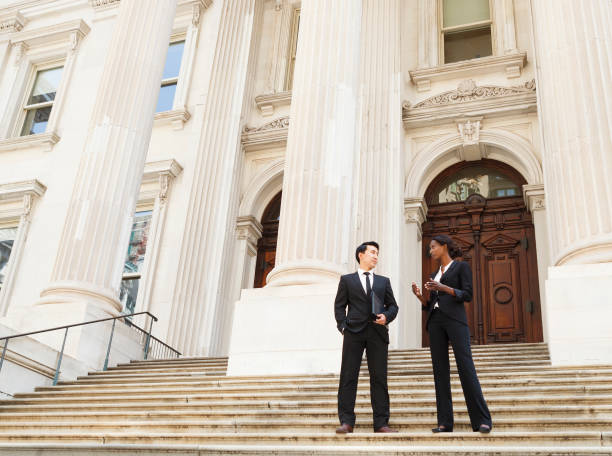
{"points": [[498, 241]]}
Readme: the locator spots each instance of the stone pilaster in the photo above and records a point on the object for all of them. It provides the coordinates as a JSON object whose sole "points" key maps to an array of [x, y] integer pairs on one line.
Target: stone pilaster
{"points": [[199, 310], [380, 185], [573, 42], [91, 252], [314, 241]]}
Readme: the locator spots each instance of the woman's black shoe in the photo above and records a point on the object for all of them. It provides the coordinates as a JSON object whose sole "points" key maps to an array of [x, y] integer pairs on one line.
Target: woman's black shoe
{"points": [[441, 429], [484, 429]]}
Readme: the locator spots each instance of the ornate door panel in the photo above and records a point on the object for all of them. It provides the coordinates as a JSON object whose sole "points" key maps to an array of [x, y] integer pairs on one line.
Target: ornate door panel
{"points": [[497, 238], [266, 246]]}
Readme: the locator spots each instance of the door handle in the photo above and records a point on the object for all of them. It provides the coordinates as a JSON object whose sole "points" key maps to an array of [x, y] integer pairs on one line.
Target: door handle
{"points": [[530, 306]]}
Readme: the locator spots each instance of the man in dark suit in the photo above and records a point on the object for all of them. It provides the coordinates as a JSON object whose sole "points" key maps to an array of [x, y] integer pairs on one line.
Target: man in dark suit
{"points": [[371, 307]]}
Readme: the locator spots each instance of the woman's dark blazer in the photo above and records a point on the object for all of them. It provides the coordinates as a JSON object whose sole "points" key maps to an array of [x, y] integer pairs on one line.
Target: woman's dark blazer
{"points": [[459, 277]]}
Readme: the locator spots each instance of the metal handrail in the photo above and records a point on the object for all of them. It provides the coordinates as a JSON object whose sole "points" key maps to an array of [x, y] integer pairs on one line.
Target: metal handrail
{"points": [[110, 340]]}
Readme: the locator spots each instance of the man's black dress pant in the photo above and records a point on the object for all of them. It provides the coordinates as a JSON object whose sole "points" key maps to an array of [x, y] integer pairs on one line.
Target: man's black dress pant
{"points": [[376, 348]]}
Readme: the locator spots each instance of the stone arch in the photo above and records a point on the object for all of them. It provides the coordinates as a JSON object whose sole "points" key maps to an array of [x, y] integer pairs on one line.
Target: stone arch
{"points": [[263, 187], [441, 154]]}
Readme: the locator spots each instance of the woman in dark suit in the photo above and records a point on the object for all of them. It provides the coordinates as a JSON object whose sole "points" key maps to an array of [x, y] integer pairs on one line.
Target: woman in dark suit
{"points": [[449, 287]]}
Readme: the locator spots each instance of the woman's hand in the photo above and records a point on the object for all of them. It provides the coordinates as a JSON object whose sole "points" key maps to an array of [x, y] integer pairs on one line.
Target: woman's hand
{"points": [[416, 290], [432, 285]]}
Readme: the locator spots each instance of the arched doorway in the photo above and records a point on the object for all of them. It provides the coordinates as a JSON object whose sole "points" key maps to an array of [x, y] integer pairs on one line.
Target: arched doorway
{"points": [[480, 205], [266, 246]]}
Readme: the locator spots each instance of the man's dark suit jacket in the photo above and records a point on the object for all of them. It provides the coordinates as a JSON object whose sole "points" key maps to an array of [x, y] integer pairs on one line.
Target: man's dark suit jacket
{"points": [[351, 294], [459, 277]]}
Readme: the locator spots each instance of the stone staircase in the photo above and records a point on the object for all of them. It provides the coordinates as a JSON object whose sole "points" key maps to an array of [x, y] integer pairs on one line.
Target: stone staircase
{"points": [[190, 407]]}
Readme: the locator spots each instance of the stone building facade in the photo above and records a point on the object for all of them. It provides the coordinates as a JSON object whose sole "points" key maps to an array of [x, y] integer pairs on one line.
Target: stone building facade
{"points": [[239, 150]]}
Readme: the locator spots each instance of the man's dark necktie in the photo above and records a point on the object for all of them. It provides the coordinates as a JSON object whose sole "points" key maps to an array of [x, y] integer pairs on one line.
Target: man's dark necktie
{"points": [[368, 285]]}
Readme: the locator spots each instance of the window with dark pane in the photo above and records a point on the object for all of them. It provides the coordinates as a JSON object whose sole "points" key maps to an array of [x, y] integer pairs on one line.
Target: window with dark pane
{"points": [[466, 29], [490, 183], [132, 267], [165, 100], [40, 102], [7, 239]]}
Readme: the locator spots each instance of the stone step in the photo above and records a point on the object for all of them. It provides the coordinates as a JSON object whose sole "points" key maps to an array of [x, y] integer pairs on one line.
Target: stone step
{"points": [[553, 438], [424, 363], [399, 408], [416, 397], [270, 425], [424, 369], [542, 377], [579, 387], [68, 449]]}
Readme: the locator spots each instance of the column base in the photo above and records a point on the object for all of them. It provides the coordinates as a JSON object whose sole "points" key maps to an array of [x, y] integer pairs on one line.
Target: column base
{"points": [[63, 293], [285, 330], [304, 273], [578, 312]]}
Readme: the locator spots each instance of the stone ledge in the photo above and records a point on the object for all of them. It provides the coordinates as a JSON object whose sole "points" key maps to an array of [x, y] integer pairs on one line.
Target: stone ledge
{"points": [[46, 140], [176, 118], [511, 64], [270, 101]]}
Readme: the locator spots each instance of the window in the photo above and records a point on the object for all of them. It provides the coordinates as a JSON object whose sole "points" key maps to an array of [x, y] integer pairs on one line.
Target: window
{"points": [[165, 100], [40, 102], [490, 183], [295, 28], [466, 29], [7, 239], [134, 261]]}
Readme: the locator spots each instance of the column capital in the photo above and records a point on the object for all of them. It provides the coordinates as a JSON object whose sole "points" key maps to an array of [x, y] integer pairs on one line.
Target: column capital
{"points": [[415, 210]]}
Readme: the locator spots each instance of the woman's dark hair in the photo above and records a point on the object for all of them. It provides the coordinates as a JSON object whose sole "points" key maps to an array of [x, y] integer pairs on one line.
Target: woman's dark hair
{"points": [[363, 247], [453, 249]]}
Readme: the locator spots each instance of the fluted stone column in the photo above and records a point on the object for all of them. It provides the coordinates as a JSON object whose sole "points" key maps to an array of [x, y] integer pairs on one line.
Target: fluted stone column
{"points": [[199, 307], [380, 186], [573, 43], [92, 248], [317, 211], [315, 243]]}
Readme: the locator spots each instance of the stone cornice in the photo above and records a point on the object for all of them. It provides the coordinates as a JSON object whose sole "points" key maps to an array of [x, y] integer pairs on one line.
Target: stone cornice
{"points": [[153, 170], [249, 229], [269, 101], [470, 100], [512, 64], [11, 22], [103, 4], [176, 117], [67, 31], [271, 134], [46, 140], [17, 190]]}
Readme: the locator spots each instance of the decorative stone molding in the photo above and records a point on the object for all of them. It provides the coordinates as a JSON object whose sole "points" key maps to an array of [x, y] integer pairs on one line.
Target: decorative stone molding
{"points": [[20, 50], [511, 64], [100, 4], [249, 229], [271, 134], [415, 211], [156, 180], [534, 196], [470, 100], [103, 4], [12, 22], [268, 102], [176, 117], [70, 31], [469, 130], [16, 201], [45, 140]]}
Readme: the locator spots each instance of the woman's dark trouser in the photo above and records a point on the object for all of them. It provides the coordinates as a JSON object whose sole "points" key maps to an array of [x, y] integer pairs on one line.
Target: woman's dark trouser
{"points": [[442, 330]]}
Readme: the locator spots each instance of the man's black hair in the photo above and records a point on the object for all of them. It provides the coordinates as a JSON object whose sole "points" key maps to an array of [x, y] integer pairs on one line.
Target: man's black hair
{"points": [[363, 247]]}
